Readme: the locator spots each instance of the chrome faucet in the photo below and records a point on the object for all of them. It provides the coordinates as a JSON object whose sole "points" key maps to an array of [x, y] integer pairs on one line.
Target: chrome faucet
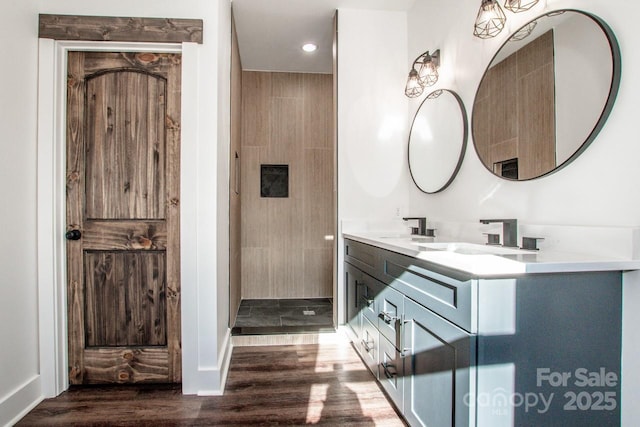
{"points": [[421, 229], [509, 231]]}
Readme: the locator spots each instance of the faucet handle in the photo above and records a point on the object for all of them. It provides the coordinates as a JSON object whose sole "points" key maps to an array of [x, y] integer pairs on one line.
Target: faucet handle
{"points": [[492, 239], [530, 243]]}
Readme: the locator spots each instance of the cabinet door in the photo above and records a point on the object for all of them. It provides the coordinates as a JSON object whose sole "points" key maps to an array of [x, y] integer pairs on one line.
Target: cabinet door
{"points": [[353, 300], [438, 356]]}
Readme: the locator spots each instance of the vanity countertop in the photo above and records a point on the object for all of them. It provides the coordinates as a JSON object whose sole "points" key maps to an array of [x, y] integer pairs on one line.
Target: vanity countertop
{"points": [[482, 263]]}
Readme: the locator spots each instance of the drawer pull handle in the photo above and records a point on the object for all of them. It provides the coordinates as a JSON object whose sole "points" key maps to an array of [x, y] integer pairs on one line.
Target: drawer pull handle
{"points": [[387, 370], [401, 339], [356, 302], [387, 317], [366, 344]]}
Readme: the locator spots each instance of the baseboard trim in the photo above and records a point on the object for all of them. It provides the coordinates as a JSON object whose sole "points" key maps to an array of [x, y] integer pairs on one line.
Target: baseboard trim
{"points": [[219, 375], [226, 360], [17, 404]]}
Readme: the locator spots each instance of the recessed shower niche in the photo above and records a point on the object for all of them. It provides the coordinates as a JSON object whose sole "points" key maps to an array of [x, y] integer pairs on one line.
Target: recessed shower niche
{"points": [[274, 180]]}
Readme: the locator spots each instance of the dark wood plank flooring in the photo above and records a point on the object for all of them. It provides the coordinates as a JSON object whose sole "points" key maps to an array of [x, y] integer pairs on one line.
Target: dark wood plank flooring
{"points": [[323, 384]]}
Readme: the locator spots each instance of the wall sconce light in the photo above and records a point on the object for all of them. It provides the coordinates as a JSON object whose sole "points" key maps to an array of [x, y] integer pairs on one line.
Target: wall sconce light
{"points": [[490, 20], [424, 72]]}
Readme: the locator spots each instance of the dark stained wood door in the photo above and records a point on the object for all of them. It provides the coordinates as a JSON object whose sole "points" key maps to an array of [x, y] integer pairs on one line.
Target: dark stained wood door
{"points": [[123, 151]]}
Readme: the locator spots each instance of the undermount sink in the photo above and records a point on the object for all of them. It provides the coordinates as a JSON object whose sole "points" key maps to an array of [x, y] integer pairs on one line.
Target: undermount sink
{"points": [[472, 248], [426, 243]]}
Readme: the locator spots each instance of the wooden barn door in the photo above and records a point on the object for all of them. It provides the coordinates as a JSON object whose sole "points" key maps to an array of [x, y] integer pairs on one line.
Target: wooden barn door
{"points": [[123, 151]]}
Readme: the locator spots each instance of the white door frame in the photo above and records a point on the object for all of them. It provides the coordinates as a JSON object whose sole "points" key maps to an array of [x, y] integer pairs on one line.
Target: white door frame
{"points": [[51, 194]]}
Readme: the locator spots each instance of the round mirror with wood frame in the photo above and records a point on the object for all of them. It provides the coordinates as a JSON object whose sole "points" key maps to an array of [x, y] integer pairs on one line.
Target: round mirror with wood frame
{"points": [[546, 95]]}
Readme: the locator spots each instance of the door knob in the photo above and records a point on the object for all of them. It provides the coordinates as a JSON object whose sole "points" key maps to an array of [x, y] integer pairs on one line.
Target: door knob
{"points": [[73, 235]]}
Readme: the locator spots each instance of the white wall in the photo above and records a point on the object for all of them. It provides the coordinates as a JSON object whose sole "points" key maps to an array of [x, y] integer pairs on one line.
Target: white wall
{"points": [[18, 304], [372, 119], [598, 189], [372, 123], [205, 300]]}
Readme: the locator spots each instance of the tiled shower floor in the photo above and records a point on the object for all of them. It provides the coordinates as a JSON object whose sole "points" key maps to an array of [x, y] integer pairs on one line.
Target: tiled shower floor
{"points": [[273, 316]]}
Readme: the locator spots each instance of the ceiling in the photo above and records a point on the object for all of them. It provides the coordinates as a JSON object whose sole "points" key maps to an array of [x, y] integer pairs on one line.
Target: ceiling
{"points": [[272, 32]]}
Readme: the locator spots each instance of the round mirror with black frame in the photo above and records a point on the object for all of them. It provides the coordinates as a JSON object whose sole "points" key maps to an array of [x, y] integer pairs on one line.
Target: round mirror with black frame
{"points": [[546, 95], [437, 141]]}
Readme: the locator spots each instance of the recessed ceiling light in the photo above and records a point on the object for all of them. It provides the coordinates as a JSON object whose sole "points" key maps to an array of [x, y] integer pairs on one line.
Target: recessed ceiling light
{"points": [[309, 47]]}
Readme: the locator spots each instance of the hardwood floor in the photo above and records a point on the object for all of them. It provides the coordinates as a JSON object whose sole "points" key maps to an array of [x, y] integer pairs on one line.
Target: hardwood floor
{"points": [[323, 384]]}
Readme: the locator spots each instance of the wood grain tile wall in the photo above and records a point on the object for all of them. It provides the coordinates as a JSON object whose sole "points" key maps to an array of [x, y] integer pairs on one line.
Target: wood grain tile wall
{"points": [[514, 113], [287, 118]]}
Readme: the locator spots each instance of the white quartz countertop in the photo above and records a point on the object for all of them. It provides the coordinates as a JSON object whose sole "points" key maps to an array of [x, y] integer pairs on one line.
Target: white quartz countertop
{"points": [[487, 261]]}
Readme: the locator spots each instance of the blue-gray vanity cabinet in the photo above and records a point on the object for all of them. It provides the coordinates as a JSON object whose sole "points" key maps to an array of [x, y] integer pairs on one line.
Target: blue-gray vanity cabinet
{"points": [[453, 349]]}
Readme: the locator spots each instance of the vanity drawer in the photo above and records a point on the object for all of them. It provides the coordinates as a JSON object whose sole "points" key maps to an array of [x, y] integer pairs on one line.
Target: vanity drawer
{"points": [[370, 291], [369, 346], [448, 293], [390, 371], [363, 256], [390, 307]]}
